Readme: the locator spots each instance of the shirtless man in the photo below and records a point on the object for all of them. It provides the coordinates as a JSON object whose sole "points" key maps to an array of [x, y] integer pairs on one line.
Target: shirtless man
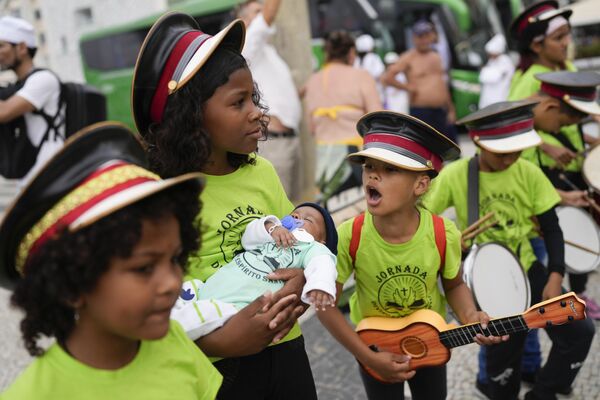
{"points": [[430, 99]]}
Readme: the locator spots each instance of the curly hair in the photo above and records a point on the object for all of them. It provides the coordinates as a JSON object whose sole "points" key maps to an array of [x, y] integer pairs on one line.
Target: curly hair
{"points": [[180, 144], [338, 45], [72, 263]]}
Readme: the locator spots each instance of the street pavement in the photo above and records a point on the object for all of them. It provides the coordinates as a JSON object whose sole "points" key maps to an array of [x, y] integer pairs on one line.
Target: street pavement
{"points": [[335, 371]]}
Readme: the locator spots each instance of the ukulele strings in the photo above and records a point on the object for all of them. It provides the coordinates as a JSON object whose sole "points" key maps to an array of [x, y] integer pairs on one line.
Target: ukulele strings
{"points": [[497, 327]]}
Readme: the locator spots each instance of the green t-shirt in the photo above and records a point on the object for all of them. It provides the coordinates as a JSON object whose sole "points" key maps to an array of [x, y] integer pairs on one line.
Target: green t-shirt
{"points": [[394, 280], [169, 368], [244, 279], [515, 194], [541, 159], [229, 203], [526, 84]]}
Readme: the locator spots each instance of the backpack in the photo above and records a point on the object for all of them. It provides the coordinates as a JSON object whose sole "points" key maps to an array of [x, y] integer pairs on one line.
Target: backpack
{"points": [[82, 104], [439, 232]]}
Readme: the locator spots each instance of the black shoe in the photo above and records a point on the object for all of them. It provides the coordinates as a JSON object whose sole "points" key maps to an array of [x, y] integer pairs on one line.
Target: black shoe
{"points": [[484, 389], [565, 391], [529, 377]]}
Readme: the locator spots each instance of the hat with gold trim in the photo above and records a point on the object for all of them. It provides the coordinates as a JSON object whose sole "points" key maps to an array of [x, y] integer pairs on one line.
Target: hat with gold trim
{"points": [[504, 127], [538, 20], [403, 141], [100, 170], [173, 52], [577, 89]]}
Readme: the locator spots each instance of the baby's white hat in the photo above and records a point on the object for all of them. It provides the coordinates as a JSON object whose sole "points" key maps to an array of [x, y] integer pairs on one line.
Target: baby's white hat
{"points": [[365, 43], [17, 30], [496, 45]]}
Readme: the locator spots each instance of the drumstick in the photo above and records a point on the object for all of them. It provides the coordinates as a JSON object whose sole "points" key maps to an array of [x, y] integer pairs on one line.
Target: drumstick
{"points": [[475, 224], [592, 202], [566, 180], [481, 229], [580, 247]]}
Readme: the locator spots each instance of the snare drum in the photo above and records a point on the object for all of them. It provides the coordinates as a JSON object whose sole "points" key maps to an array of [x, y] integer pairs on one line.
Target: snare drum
{"points": [[499, 284], [591, 174], [579, 228]]}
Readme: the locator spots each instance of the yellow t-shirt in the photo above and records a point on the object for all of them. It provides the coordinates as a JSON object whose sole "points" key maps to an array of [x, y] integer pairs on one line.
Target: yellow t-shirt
{"points": [[229, 203], [541, 159], [169, 368], [514, 195], [394, 280]]}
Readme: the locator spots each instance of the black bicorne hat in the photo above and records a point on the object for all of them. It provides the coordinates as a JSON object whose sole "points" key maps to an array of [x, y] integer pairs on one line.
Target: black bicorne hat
{"points": [[578, 89], [533, 21], [173, 51], [403, 141], [100, 170], [504, 127]]}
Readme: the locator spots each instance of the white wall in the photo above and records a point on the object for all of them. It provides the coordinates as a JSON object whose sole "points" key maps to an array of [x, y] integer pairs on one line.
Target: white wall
{"points": [[62, 22]]}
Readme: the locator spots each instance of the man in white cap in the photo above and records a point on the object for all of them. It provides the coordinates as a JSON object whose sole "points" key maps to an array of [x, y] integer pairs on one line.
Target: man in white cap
{"points": [[497, 73], [275, 82], [366, 58], [39, 90]]}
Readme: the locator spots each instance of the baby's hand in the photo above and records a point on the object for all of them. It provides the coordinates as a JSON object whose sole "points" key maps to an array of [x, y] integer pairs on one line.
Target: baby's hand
{"points": [[282, 237], [320, 299]]}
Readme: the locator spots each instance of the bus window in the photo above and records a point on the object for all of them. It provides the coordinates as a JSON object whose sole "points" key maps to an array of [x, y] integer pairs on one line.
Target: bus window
{"points": [[330, 15], [113, 52]]}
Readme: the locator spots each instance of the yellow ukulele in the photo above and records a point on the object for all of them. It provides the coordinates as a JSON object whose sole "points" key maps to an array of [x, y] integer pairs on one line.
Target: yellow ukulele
{"points": [[427, 338]]}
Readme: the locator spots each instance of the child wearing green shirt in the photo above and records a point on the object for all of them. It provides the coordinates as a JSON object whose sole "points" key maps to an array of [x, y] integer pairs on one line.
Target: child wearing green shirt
{"points": [[397, 261], [516, 190], [95, 250], [565, 98], [196, 105]]}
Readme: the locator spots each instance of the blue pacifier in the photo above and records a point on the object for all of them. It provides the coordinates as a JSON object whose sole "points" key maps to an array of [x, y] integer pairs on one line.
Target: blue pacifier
{"points": [[290, 223]]}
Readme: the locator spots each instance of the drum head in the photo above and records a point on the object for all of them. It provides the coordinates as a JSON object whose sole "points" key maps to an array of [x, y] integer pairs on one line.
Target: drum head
{"points": [[579, 228], [498, 282], [591, 168]]}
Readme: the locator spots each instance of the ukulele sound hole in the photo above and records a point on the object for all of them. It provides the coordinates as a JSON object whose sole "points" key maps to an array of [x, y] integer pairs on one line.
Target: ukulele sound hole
{"points": [[414, 347]]}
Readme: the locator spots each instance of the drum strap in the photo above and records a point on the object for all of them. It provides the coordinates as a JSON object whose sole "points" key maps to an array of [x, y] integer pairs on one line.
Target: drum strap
{"points": [[473, 191], [439, 231]]}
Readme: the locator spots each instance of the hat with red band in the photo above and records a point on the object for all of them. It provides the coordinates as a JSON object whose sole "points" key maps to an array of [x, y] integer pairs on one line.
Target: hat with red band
{"points": [[173, 52], [99, 171], [403, 141], [504, 127], [577, 89], [533, 21]]}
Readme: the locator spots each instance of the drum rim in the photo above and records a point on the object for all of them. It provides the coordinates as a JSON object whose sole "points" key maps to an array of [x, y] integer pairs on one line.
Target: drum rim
{"points": [[596, 228], [585, 178], [469, 274]]}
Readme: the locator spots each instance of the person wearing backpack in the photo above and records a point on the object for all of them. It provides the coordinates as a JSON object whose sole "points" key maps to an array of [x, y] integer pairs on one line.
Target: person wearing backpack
{"points": [[399, 251], [36, 98]]}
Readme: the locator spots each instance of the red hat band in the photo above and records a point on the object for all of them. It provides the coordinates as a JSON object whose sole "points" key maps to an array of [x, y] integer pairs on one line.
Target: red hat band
{"points": [[99, 186], [585, 94], [405, 147], [534, 13], [182, 53], [502, 131]]}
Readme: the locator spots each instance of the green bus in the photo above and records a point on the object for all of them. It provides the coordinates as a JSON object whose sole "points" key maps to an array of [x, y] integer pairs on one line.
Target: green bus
{"points": [[464, 26]]}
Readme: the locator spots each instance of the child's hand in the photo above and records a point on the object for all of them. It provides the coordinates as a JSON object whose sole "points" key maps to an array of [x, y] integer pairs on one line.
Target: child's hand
{"points": [[391, 367], [483, 340], [320, 299], [282, 237]]}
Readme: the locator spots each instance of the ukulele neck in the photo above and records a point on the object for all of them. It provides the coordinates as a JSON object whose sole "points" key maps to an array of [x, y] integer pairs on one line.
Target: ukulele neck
{"points": [[497, 327]]}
